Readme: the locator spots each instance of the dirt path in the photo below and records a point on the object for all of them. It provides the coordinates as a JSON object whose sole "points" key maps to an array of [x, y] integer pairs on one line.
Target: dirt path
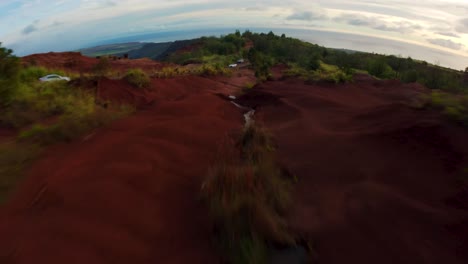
{"points": [[374, 174], [128, 193]]}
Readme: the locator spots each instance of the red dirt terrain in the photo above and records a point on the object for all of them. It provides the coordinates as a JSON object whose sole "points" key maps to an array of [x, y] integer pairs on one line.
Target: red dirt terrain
{"points": [[127, 193], [378, 179], [75, 62], [374, 173]]}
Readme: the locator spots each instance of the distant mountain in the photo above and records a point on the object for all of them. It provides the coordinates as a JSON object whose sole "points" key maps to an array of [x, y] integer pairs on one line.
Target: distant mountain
{"points": [[111, 49], [137, 50], [178, 46], [148, 50]]}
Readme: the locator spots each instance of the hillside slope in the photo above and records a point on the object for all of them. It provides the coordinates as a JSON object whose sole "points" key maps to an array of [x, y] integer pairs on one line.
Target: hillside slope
{"points": [[373, 173], [126, 193]]}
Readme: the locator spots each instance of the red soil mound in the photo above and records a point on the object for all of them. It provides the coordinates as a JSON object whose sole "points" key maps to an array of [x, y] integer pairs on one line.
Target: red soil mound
{"points": [[374, 174], [75, 62], [72, 61], [120, 91], [127, 193]]}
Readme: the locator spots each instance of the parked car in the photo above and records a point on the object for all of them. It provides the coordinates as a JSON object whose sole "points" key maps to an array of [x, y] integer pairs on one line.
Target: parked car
{"points": [[240, 61], [54, 77], [232, 65]]}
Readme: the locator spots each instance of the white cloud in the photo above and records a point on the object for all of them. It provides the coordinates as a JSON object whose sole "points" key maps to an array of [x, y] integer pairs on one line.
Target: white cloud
{"points": [[307, 16]]}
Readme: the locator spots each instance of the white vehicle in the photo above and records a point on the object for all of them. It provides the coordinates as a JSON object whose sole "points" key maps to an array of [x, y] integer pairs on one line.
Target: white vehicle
{"points": [[240, 61], [54, 77], [232, 65]]}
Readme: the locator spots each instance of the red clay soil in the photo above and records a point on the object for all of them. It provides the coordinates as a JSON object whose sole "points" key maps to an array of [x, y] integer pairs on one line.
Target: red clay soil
{"points": [[75, 62], [127, 193], [72, 61], [240, 78], [374, 174]]}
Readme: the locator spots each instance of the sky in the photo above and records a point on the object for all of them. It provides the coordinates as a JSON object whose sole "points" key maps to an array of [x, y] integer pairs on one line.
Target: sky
{"points": [[431, 30]]}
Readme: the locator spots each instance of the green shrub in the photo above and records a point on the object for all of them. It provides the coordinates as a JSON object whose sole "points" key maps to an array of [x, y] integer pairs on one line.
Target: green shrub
{"points": [[379, 68], [33, 73], [138, 78]]}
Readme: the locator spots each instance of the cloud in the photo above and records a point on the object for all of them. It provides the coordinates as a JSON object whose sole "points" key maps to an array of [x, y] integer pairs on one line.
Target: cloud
{"points": [[447, 43], [109, 3], [254, 8], [377, 23], [57, 23], [29, 29], [462, 26], [448, 34], [306, 15]]}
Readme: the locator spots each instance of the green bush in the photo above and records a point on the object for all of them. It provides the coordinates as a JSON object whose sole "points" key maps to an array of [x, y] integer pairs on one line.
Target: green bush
{"points": [[379, 68], [9, 75], [138, 78], [37, 101], [33, 73]]}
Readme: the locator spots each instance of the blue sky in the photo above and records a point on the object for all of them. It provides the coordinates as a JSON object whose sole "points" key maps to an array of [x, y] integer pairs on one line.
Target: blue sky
{"points": [[433, 30]]}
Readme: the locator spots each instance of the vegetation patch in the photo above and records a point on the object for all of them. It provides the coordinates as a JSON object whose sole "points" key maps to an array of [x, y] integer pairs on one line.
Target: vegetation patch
{"points": [[44, 113], [248, 196], [454, 106], [170, 72], [325, 72], [138, 78]]}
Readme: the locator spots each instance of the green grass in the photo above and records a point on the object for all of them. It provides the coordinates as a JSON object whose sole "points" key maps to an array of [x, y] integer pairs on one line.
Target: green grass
{"points": [[248, 196]]}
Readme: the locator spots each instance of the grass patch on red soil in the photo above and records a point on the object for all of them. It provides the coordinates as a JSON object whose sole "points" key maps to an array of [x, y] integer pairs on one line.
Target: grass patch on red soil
{"points": [[45, 113], [248, 196]]}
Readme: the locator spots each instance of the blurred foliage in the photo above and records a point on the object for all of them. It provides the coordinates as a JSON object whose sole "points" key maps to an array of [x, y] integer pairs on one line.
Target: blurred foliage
{"points": [[248, 196], [454, 106], [9, 75], [138, 78]]}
